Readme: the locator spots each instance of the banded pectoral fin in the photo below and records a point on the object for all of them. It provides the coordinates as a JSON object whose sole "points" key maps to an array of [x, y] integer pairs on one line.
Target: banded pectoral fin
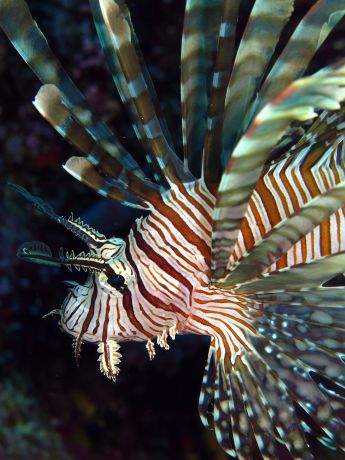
{"points": [[31, 44], [249, 408], [306, 276], [102, 154], [284, 388]]}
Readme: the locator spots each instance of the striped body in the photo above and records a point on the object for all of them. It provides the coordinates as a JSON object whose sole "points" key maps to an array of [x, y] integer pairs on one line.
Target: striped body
{"points": [[166, 260]]}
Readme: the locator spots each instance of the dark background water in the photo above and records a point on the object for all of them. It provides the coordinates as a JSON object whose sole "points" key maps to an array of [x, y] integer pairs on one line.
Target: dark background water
{"points": [[50, 408]]}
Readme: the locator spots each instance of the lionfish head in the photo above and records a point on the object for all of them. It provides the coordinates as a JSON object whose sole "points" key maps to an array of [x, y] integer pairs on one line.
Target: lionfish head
{"points": [[104, 258], [110, 275]]}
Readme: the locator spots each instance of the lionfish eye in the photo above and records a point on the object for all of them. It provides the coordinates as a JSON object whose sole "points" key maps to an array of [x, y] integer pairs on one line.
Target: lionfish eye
{"points": [[116, 281]]}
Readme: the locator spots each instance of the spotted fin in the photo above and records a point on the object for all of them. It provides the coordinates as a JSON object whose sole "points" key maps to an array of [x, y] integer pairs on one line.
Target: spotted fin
{"points": [[301, 364], [222, 413], [322, 297], [298, 102], [287, 386], [320, 323], [206, 392], [199, 43]]}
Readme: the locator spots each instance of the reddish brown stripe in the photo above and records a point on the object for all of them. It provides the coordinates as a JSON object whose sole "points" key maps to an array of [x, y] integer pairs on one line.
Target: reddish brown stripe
{"points": [[338, 218], [282, 196], [257, 217], [291, 195], [281, 262], [197, 205], [76, 308], [203, 196], [178, 253], [106, 320], [325, 239], [161, 262], [185, 230], [150, 318], [162, 285], [232, 318], [127, 305], [122, 329], [189, 213], [268, 203], [97, 321], [211, 327], [172, 235], [149, 297], [248, 238], [90, 313]]}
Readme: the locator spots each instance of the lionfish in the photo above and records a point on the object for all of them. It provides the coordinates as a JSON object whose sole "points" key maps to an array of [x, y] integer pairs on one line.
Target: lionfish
{"points": [[240, 238]]}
